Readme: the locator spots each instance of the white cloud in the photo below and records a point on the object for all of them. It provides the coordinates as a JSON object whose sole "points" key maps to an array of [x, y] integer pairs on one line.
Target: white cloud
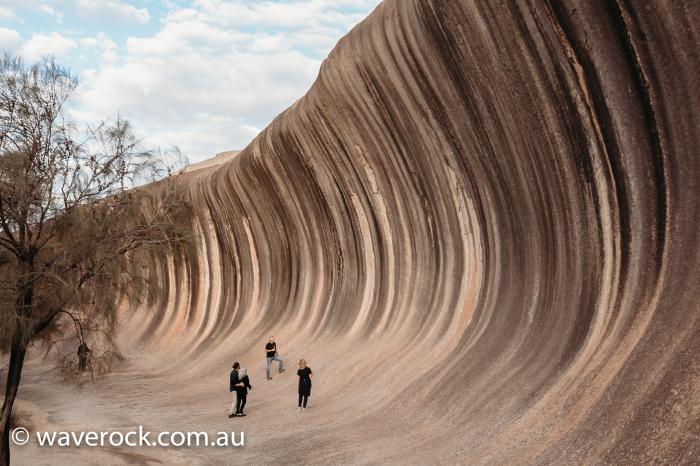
{"points": [[6, 13], [102, 42], [216, 72], [312, 25], [113, 9], [9, 39], [204, 104], [51, 12], [184, 35], [16, 8], [293, 15], [47, 44]]}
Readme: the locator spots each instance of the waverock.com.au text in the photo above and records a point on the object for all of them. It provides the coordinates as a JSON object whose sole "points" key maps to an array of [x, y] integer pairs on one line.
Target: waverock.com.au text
{"points": [[133, 438]]}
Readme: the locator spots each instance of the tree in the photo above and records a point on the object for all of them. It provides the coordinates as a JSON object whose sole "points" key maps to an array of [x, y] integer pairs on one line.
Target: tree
{"points": [[71, 222]]}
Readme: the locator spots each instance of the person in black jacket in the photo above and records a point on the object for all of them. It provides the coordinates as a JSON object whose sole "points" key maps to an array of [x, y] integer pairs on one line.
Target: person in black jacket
{"points": [[305, 376], [234, 384], [242, 391]]}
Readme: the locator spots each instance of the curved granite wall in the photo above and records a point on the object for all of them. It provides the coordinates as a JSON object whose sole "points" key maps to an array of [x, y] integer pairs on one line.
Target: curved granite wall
{"points": [[484, 212]]}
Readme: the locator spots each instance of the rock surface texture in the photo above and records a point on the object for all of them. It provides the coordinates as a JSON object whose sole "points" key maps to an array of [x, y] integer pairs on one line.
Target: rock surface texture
{"points": [[480, 227]]}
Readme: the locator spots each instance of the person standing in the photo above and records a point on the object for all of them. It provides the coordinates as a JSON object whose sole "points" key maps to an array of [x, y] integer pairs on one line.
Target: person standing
{"points": [[305, 376], [242, 391], [271, 352], [83, 356], [234, 383]]}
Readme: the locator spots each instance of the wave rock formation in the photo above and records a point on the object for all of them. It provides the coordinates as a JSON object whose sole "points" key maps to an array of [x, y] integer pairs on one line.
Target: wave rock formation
{"points": [[480, 228]]}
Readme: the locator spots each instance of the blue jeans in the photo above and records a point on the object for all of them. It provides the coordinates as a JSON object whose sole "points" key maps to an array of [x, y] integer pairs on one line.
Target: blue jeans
{"points": [[269, 363]]}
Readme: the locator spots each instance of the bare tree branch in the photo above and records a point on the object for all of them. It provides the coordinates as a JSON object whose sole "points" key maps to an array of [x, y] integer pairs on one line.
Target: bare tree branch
{"points": [[72, 222]]}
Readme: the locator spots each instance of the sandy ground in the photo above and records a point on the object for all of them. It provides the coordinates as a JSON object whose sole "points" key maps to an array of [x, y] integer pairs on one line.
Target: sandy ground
{"points": [[159, 397], [137, 395]]}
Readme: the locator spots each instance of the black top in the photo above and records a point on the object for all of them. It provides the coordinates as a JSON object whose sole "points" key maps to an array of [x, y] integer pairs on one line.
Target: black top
{"points": [[304, 374], [304, 381], [233, 380], [271, 349], [246, 385]]}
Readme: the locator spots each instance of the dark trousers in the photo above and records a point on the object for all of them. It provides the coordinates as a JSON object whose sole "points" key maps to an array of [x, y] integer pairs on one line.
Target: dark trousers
{"points": [[304, 399], [240, 401]]}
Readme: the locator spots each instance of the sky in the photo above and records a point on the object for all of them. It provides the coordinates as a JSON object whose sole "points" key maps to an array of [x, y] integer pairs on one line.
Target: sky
{"points": [[205, 76]]}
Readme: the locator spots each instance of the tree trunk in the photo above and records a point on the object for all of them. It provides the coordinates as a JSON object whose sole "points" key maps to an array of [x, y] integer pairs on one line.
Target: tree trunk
{"points": [[14, 372]]}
